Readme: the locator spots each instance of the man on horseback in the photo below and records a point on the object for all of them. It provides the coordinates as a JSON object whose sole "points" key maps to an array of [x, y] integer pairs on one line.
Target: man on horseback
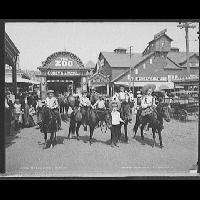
{"points": [[52, 103], [147, 105], [100, 108], [85, 105]]}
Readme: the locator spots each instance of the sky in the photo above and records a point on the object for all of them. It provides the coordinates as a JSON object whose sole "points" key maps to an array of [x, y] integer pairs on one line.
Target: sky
{"points": [[36, 41]]}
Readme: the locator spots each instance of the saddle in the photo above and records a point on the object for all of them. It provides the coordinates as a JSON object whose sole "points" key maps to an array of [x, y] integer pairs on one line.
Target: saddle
{"points": [[147, 111]]}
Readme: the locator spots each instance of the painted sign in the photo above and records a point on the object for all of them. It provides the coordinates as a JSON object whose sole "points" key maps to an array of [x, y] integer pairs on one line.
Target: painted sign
{"points": [[63, 60], [64, 73], [149, 78], [99, 79]]}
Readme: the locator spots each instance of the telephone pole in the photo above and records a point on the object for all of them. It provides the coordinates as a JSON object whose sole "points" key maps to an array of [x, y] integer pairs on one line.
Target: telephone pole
{"points": [[186, 26], [130, 72]]}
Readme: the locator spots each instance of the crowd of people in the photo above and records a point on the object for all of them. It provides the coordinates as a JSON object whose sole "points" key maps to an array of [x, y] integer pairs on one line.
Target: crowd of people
{"points": [[25, 105], [19, 110]]}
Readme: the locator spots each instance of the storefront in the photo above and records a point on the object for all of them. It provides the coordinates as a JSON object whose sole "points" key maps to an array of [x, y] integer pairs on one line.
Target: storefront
{"points": [[11, 62], [63, 71], [100, 83]]}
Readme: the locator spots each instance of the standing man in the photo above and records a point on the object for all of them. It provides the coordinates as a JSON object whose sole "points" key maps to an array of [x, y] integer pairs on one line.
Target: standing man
{"points": [[9, 107], [116, 126], [52, 103]]}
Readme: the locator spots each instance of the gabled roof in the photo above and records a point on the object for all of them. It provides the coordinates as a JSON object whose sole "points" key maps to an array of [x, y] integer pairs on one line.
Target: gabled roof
{"points": [[90, 64], [122, 60], [179, 57], [155, 39], [128, 70]]}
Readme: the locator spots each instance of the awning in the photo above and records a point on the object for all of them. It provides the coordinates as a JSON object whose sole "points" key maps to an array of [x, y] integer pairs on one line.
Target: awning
{"points": [[21, 80], [170, 85]]}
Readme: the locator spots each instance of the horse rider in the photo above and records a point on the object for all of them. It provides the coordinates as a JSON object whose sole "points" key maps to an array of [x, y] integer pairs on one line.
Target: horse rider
{"points": [[84, 105], [100, 107], [148, 105], [52, 103], [124, 99]]}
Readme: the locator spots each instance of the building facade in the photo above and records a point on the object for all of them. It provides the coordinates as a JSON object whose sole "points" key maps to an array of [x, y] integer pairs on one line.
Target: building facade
{"points": [[159, 64], [11, 61], [61, 71]]}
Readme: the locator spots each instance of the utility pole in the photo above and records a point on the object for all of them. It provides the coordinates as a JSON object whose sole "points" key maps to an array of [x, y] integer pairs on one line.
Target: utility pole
{"points": [[186, 25], [198, 162], [130, 72]]}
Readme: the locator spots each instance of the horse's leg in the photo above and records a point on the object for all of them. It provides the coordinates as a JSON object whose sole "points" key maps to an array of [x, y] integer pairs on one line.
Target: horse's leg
{"points": [[51, 139], [154, 137], [91, 133], [125, 132], [160, 138], [77, 129], [135, 128], [45, 139], [142, 129]]}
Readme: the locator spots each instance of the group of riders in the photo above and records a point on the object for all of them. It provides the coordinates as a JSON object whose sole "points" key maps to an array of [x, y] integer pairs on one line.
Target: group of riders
{"points": [[145, 105]]}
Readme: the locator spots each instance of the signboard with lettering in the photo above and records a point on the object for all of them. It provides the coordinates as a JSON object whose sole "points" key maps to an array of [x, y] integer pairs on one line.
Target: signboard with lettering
{"points": [[149, 78], [99, 79], [65, 73], [63, 60]]}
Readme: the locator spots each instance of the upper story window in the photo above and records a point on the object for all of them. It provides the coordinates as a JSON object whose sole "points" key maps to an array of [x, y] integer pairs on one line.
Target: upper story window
{"points": [[151, 61]]}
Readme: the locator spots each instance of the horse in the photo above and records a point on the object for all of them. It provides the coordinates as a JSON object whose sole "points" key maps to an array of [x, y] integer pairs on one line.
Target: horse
{"points": [[92, 120], [155, 121], [48, 125], [125, 112]]}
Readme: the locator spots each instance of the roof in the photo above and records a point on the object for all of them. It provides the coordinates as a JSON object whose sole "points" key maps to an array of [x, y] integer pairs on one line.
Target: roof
{"points": [[90, 64], [122, 60], [179, 57], [155, 39]]}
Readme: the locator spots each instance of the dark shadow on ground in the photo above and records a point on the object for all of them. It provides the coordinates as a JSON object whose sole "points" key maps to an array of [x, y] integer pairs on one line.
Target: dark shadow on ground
{"points": [[85, 139], [9, 139], [145, 141]]}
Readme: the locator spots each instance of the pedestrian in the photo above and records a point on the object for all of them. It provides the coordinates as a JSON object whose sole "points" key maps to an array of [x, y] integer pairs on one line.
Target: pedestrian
{"points": [[18, 115], [116, 124], [39, 106], [31, 122], [9, 107], [52, 103]]}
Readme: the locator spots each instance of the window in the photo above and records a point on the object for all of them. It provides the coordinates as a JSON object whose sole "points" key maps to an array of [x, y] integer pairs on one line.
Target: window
{"points": [[150, 60], [136, 71], [144, 65]]}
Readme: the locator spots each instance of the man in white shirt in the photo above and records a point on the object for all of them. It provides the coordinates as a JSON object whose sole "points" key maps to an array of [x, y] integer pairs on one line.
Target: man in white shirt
{"points": [[116, 125], [52, 103]]}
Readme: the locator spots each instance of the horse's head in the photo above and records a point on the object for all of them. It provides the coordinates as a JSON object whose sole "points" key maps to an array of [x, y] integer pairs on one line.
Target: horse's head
{"points": [[163, 111]]}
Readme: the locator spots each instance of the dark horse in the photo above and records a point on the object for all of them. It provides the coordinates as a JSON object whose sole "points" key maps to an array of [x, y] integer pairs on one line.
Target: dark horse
{"points": [[48, 125], [155, 121], [76, 120], [125, 112]]}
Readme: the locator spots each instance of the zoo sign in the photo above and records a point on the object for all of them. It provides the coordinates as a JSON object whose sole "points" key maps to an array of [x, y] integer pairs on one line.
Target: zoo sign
{"points": [[63, 62]]}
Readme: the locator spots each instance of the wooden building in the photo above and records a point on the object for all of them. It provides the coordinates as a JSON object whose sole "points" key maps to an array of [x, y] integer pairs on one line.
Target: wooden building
{"points": [[11, 58], [160, 64]]}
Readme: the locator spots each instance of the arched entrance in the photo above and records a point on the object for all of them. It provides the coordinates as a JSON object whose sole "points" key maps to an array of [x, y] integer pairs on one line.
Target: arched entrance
{"points": [[63, 71]]}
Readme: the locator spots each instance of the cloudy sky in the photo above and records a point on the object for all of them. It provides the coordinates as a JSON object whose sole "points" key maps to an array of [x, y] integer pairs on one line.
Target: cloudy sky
{"points": [[37, 41]]}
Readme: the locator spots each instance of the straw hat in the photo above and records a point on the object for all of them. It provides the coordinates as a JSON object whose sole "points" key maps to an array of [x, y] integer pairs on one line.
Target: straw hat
{"points": [[50, 91], [115, 104]]}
